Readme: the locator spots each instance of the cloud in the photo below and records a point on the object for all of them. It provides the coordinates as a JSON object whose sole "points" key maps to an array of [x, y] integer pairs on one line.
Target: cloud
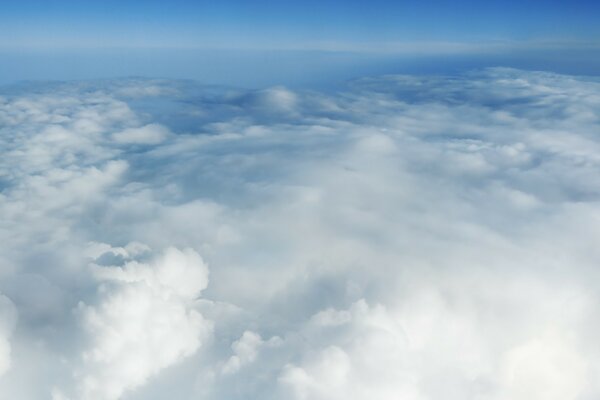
{"points": [[369, 357], [8, 319], [143, 321], [436, 344], [148, 134], [412, 236], [246, 350]]}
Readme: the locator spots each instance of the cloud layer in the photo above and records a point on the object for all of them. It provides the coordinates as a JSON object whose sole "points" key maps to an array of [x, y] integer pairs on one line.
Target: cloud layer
{"points": [[408, 237]]}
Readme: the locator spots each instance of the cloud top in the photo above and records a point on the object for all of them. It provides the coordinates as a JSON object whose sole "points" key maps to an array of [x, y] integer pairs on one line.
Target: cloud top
{"points": [[417, 236]]}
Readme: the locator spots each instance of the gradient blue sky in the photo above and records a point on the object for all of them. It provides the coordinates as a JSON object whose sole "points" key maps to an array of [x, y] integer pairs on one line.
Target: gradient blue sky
{"points": [[292, 43], [292, 24]]}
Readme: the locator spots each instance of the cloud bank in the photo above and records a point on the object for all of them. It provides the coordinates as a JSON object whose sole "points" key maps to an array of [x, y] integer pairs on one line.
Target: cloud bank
{"points": [[408, 237]]}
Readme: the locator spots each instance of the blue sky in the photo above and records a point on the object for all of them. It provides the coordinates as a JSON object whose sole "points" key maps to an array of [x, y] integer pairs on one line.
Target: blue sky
{"points": [[264, 43], [292, 24]]}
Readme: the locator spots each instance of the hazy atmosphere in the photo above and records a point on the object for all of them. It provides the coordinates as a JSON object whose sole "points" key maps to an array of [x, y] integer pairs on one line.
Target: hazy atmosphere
{"points": [[280, 200]]}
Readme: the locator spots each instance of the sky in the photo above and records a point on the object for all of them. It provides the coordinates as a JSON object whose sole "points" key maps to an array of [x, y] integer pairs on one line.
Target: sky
{"points": [[260, 43], [292, 24], [313, 200]]}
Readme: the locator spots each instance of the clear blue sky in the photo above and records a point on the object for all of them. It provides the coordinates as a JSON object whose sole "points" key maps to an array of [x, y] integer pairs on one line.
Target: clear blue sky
{"points": [[292, 24], [261, 42]]}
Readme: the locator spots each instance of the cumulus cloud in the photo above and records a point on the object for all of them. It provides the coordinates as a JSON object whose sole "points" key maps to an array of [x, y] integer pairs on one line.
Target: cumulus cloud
{"points": [[246, 349], [143, 321], [414, 237], [368, 356]]}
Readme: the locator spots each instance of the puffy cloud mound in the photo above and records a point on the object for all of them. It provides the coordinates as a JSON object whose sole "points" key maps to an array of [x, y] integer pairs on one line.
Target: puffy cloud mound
{"points": [[406, 237], [144, 321]]}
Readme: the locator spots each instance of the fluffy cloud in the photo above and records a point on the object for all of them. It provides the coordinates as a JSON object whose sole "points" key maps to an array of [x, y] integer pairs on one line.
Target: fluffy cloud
{"points": [[246, 349], [435, 345], [144, 321], [368, 355], [8, 318], [414, 237]]}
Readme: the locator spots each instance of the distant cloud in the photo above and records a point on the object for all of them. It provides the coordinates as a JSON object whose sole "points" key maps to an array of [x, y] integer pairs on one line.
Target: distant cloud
{"points": [[409, 236], [148, 134]]}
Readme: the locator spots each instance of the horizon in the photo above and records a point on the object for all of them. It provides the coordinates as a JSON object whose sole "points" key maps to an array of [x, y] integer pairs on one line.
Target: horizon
{"points": [[65, 39]]}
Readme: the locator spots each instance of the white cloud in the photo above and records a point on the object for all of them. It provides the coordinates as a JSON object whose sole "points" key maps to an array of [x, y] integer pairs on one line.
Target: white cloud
{"points": [[143, 322], [369, 357], [8, 319], [424, 237], [148, 134], [431, 347], [547, 367], [246, 350]]}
